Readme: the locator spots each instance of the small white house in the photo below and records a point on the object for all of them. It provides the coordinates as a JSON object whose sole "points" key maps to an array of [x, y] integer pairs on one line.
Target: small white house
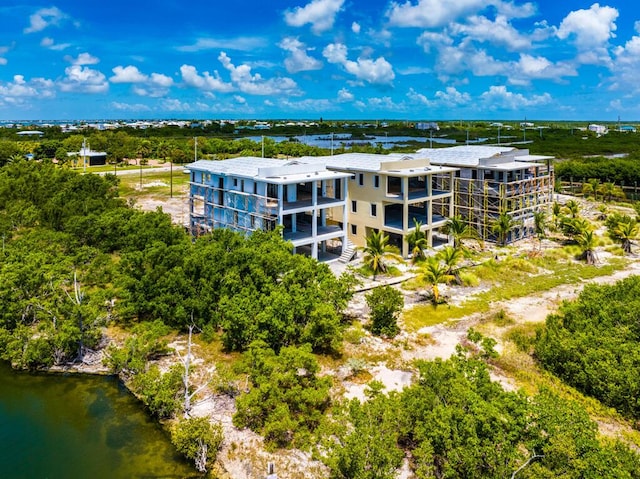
{"points": [[598, 129]]}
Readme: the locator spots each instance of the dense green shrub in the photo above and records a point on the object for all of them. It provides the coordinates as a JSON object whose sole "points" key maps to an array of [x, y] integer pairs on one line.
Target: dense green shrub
{"points": [[593, 344], [454, 422], [198, 439], [385, 304], [287, 397]]}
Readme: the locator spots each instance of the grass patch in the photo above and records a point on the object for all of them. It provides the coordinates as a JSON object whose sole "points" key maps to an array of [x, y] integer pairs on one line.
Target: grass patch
{"points": [[469, 279], [521, 283], [392, 271], [355, 333], [523, 336], [154, 183], [501, 319]]}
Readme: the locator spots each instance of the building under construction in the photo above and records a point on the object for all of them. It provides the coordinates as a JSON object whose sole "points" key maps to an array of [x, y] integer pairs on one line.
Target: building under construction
{"points": [[492, 180]]}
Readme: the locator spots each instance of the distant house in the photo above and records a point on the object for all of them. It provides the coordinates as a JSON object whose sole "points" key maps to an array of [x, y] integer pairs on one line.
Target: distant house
{"points": [[30, 133], [88, 157], [598, 129], [628, 129], [423, 125]]}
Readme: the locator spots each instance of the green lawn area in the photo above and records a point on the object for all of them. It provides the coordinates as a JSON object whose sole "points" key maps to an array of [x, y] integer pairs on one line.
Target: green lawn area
{"points": [[156, 184]]}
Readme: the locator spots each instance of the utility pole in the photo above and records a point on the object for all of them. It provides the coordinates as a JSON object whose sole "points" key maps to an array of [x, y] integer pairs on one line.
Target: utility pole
{"points": [[331, 143], [84, 155], [262, 146]]}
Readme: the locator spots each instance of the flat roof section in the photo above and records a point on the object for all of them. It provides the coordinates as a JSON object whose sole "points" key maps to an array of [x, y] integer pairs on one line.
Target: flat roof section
{"points": [[269, 170], [377, 163]]}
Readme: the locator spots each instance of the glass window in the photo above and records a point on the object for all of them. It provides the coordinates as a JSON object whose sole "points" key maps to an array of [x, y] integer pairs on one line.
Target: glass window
{"points": [[376, 181], [354, 229], [354, 206], [374, 209]]}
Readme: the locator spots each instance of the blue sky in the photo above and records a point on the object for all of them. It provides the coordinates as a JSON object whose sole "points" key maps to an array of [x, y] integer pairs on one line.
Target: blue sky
{"points": [[336, 59]]}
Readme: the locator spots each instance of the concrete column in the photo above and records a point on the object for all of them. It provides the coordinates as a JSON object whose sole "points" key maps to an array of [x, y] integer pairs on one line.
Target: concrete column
{"points": [[280, 204], [405, 216]]}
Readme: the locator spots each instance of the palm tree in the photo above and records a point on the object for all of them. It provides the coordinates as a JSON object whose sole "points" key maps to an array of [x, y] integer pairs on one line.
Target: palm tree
{"points": [[459, 229], [604, 212], [588, 242], [556, 212], [417, 241], [592, 187], [626, 231], [540, 225], [377, 251], [573, 227], [573, 207], [451, 256], [502, 226], [609, 190], [435, 272]]}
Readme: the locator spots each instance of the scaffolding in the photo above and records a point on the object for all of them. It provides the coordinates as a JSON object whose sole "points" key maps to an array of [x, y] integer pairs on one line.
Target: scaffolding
{"points": [[212, 207], [480, 203]]}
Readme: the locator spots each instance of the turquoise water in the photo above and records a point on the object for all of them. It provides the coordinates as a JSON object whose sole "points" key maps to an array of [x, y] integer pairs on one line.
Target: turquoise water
{"points": [[69, 426]]}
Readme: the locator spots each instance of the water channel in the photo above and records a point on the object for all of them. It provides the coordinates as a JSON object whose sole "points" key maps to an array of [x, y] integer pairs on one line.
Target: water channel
{"points": [[72, 426]]}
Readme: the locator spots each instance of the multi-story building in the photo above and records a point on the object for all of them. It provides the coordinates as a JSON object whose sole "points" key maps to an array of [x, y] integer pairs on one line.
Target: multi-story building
{"points": [[492, 180], [393, 193], [326, 203], [246, 194]]}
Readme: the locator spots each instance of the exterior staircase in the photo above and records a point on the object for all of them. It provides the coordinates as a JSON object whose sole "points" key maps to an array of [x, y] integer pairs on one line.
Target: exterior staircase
{"points": [[348, 253]]}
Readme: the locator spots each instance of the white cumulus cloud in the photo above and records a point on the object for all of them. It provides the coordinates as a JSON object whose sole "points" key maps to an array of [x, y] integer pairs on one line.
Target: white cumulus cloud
{"points": [[378, 71], [418, 98], [345, 96], [497, 32], [430, 13], [16, 91], [298, 60], [154, 85], [589, 28], [82, 59], [82, 79], [500, 97], [255, 84], [128, 74], [320, 14], [452, 97], [206, 81], [44, 18]]}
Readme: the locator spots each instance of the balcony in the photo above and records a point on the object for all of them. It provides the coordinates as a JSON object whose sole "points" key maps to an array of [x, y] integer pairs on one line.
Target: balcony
{"points": [[393, 217], [304, 231], [305, 201]]}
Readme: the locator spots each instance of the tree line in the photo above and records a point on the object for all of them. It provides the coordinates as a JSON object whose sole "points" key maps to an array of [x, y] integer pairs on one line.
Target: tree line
{"points": [[66, 235]]}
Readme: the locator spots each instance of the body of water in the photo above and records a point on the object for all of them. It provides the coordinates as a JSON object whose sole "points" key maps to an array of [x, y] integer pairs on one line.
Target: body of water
{"points": [[71, 426], [345, 140]]}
